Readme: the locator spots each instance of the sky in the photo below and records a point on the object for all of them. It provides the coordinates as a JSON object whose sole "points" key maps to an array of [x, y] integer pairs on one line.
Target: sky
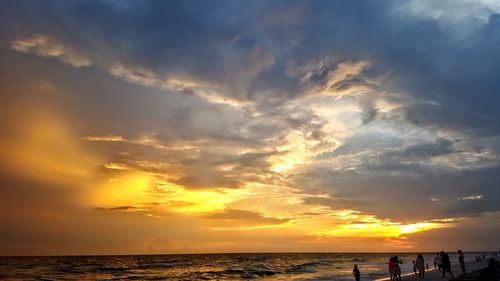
{"points": [[146, 127]]}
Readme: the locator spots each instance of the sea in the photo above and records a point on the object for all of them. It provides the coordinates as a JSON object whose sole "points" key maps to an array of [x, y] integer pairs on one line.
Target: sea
{"points": [[188, 267]]}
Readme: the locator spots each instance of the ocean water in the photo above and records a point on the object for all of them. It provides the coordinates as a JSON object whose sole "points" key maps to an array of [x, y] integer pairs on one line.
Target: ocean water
{"points": [[282, 266]]}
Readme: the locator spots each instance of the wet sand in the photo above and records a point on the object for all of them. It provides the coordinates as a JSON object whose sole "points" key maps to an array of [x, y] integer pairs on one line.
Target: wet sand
{"points": [[434, 275]]}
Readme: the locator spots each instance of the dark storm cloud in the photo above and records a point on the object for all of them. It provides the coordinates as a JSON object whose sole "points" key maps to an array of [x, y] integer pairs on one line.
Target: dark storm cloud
{"points": [[439, 147], [414, 159], [217, 42], [400, 197], [223, 42], [182, 40], [423, 60], [459, 78]]}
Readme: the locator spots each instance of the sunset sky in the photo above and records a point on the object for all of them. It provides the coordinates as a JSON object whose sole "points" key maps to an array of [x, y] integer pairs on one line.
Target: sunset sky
{"points": [[249, 126]]}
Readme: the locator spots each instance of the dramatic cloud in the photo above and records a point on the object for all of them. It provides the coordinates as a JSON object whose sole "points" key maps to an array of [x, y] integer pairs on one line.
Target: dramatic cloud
{"points": [[247, 126]]}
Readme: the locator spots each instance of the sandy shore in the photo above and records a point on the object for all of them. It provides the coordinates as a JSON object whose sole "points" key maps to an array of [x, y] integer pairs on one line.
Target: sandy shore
{"points": [[434, 275]]}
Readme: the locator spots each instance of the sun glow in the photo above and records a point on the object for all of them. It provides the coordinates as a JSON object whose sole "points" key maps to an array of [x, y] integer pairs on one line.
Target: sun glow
{"points": [[291, 154], [130, 189], [382, 228], [43, 147], [144, 190], [417, 227], [196, 201]]}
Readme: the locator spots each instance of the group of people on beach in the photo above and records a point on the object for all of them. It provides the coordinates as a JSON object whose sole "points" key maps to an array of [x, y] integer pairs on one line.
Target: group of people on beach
{"points": [[479, 258], [394, 268], [441, 262]]}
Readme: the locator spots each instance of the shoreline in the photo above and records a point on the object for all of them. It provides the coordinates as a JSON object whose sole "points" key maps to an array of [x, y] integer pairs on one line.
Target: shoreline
{"points": [[433, 274]]}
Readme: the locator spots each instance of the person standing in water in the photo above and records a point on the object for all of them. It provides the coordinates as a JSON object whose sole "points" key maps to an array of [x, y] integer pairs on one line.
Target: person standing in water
{"points": [[356, 273], [461, 260], [445, 260], [420, 265]]}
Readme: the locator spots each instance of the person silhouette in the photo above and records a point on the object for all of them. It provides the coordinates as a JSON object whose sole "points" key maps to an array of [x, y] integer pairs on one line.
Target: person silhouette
{"points": [[392, 265], [461, 260], [356, 273], [420, 266], [397, 268], [445, 260]]}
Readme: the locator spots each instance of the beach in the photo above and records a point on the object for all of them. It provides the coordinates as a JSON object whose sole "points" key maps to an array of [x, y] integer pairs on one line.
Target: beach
{"points": [[434, 274]]}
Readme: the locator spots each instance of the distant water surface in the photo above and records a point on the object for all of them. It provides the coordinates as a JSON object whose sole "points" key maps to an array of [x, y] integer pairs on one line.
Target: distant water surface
{"points": [[283, 266]]}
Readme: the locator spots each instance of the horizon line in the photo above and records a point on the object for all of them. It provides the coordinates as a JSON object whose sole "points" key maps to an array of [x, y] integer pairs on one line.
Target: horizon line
{"points": [[243, 253]]}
